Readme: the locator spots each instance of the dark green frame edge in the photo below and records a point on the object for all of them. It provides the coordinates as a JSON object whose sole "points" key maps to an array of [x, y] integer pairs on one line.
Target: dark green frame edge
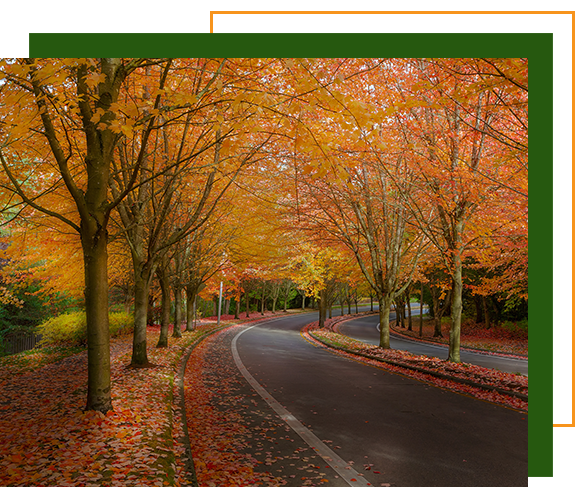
{"points": [[536, 47]]}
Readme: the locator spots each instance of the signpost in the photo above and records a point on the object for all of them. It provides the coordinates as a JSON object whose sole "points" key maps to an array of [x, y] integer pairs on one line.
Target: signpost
{"points": [[220, 304]]}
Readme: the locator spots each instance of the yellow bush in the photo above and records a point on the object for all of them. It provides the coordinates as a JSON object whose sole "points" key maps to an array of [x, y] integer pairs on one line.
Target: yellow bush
{"points": [[71, 328]]}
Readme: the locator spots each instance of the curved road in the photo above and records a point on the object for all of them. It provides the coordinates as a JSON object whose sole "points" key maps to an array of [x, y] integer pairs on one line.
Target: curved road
{"points": [[393, 430], [365, 329]]}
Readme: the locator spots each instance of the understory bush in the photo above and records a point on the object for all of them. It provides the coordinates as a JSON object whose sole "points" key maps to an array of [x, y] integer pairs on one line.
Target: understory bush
{"points": [[519, 328], [71, 328]]}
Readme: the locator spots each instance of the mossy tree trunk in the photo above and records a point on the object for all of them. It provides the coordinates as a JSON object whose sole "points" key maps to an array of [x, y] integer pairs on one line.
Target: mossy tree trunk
{"points": [[384, 318], [177, 333], [164, 281], [97, 310]]}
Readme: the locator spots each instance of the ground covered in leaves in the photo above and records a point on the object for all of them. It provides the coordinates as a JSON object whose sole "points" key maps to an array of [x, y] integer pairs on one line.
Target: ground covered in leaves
{"points": [[47, 440], [487, 384]]}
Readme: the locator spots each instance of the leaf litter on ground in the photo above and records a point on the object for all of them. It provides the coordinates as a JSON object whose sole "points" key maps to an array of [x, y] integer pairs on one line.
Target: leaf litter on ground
{"points": [[46, 439]]}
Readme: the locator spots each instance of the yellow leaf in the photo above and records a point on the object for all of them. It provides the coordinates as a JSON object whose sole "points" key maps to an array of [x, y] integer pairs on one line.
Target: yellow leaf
{"points": [[97, 115]]}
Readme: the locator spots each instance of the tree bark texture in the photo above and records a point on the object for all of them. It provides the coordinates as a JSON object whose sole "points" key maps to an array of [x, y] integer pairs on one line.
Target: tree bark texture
{"points": [[190, 309], [384, 317], [97, 310], [177, 333], [421, 311], [456, 312], [165, 305], [322, 311], [141, 292]]}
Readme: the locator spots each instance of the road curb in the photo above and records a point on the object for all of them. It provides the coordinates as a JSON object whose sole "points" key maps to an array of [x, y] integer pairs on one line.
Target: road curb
{"points": [[179, 379], [487, 387], [339, 322], [189, 461]]}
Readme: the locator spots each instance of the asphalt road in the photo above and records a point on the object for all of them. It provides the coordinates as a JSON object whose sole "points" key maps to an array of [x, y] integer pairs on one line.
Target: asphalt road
{"points": [[409, 433], [365, 329]]}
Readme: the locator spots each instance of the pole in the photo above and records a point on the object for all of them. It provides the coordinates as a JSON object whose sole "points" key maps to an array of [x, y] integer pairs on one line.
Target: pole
{"points": [[220, 303]]}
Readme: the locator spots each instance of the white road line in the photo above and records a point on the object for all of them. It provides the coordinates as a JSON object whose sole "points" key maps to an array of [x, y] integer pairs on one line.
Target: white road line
{"points": [[343, 469]]}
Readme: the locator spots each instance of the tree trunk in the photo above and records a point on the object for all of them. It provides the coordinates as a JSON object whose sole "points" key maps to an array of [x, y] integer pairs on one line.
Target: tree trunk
{"points": [[479, 308], [238, 306], [356, 304], [421, 311], [322, 311], [437, 312], [371, 300], [384, 318], [127, 303], [141, 291], [194, 305], [277, 286], [190, 308], [303, 301], [165, 306], [92, 202], [397, 314], [497, 311], [341, 307], [456, 312], [247, 303], [486, 313], [177, 312], [97, 310], [203, 308], [409, 318], [437, 327], [286, 296]]}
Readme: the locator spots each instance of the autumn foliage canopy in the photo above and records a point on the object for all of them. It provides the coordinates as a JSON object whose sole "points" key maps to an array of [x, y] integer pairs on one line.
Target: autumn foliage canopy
{"points": [[152, 175]]}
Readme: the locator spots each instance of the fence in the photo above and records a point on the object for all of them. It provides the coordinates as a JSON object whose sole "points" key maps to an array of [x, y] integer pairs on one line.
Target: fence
{"points": [[11, 344]]}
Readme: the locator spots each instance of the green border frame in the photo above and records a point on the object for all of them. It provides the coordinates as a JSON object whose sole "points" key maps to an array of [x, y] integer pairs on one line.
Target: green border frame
{"points": [[536, 47]]}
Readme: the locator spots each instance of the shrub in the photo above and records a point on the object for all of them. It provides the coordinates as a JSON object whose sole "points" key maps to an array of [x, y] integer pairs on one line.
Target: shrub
{"points": [[71, 328], [516, 328], [34, 307]]}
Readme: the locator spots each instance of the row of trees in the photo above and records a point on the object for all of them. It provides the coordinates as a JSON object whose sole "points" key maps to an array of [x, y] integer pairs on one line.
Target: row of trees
{"points": [[429, 165], [337, 174]]}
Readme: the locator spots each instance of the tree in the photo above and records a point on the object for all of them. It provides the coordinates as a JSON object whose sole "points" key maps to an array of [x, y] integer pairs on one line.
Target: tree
{"points": [[200, 148], [61, 129], [457, 139]]}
